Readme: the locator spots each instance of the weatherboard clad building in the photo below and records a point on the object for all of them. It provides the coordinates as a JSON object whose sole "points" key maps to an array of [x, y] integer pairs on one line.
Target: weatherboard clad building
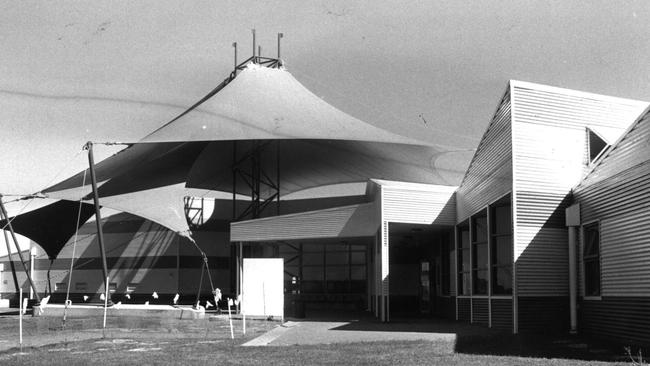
{"points": [[512, 243], [612, 226], [503, 261], [489, 246]]}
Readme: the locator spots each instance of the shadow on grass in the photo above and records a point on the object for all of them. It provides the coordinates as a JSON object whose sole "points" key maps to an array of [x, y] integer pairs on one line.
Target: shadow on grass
{"points": [[478, 340]]}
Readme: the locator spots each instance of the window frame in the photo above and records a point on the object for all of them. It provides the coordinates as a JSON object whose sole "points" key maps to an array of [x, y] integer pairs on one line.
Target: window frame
{"points": [[474, 243], [583, 231], [494, 264], [593, 156], [460, 252]]}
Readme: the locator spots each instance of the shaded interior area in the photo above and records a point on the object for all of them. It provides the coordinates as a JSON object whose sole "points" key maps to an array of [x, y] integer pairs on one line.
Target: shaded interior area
{"points": [[335, 277], [325, 276], [420, 272]]}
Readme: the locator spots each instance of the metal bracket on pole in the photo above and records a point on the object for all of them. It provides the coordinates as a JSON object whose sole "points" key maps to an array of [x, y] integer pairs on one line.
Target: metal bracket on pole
{"points": [[20, 254], [98, 216]]}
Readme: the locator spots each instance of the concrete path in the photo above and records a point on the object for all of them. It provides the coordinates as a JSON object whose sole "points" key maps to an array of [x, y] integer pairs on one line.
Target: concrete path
{"points": [[314, 331], [271, 335]]}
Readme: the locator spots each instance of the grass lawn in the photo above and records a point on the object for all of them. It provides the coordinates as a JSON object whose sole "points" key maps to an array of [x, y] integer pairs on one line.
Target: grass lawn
{"points": [[144, 341]]}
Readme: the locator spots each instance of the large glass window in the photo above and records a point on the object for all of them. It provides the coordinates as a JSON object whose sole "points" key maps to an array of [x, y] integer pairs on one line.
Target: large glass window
{"points": [[463, 260], [591, 259], [480, 255], [501, 233]]}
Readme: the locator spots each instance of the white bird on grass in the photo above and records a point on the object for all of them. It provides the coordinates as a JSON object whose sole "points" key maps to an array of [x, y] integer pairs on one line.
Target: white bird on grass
{"points": [[154, 295], [85, 298]]}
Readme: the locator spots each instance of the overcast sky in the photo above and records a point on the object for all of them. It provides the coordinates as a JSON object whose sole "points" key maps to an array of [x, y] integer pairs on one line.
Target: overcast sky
{"points": [[115, 70]]}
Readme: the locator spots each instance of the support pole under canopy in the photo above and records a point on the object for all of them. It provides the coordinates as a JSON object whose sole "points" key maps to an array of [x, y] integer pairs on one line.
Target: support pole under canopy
{"points": [[98, 216], [11, 263], [20, 254]]}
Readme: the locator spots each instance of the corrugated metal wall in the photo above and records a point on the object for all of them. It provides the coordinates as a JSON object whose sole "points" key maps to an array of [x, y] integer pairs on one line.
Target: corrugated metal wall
{"points": [[622, 204], [548, 134], [623, 318], [464, 309], [502, 313], [348, 221], [419, 206], [632, 150], [480, 311], [617, 193], [489, 175], [543, 314]]}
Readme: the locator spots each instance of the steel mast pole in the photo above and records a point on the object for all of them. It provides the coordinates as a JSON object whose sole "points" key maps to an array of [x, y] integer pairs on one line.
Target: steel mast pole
{"points": [[98, 216], [11, 263], [20, 254], [254, 46]]}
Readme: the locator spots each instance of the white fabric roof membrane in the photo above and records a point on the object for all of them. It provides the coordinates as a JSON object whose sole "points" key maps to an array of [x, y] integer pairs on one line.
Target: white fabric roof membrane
{"points": [[319, 145], [269, 103]]}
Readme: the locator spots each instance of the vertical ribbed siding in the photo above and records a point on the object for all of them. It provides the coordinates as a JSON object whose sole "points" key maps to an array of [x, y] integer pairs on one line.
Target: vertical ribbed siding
{"points": [[549, 153], [618, 194], [464, 309], [480, 310], [489, 175], [419, 206], [502, 313]]}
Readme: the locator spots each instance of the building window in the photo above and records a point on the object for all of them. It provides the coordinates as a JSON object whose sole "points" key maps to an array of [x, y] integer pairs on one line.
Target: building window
{"points": [[591, 259], [596, 145], [479, 255], [463, 260], [501, 248]]}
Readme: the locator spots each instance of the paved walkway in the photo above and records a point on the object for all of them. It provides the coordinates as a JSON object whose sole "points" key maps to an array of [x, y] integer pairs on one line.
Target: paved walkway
{"points": [[327, 331]]}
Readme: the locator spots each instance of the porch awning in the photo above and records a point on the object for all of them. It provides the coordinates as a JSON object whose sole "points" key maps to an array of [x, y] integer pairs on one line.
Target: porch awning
{"points": [[340, 222]]}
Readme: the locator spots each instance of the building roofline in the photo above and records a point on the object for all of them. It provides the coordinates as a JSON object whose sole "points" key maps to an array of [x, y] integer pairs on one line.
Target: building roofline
{"points": [[604, 157], [576, 93], [478, 147], [410, 186]]}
